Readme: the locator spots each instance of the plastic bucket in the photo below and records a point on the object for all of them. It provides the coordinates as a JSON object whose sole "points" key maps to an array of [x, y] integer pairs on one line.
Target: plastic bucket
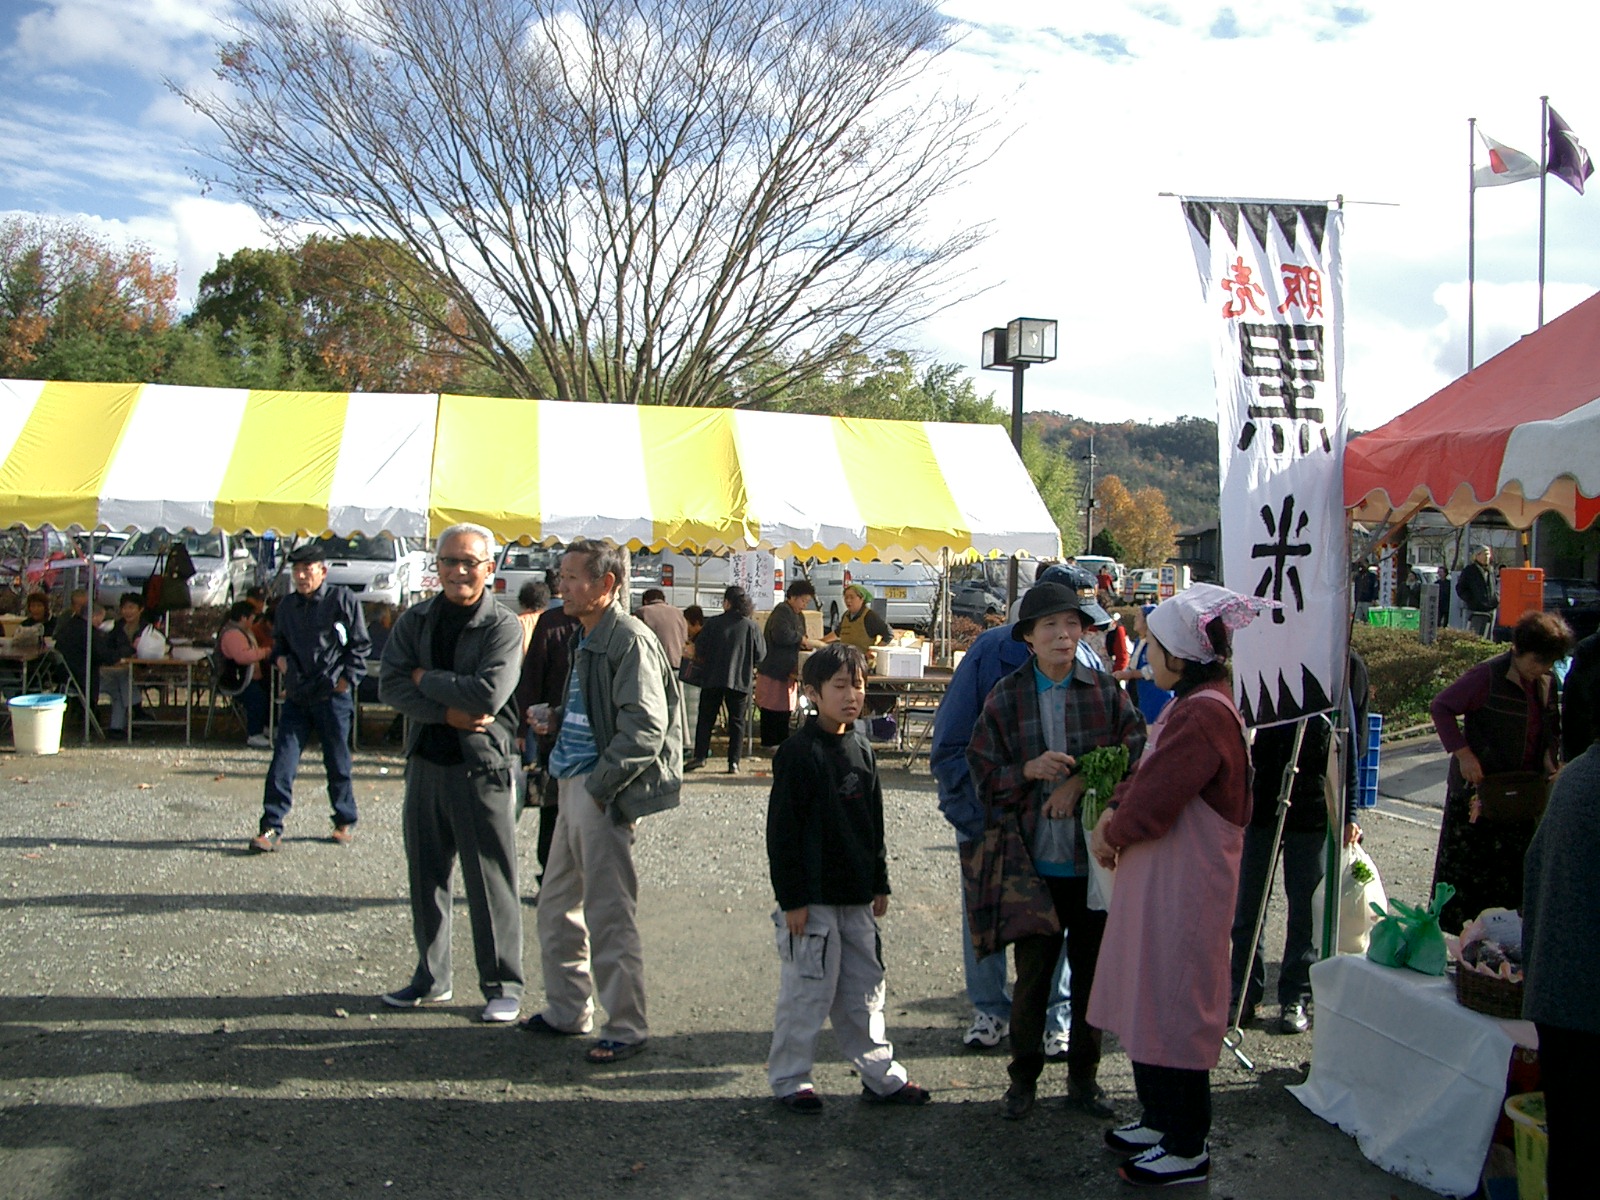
{"points": [[1533, 1143], [36, 722]]}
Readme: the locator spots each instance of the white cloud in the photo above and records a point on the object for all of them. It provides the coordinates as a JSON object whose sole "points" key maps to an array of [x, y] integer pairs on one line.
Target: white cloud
{"points": [[145, 36]]}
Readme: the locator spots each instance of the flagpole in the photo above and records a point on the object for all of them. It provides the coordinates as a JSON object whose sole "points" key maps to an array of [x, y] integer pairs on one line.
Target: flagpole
{"points": [[1472, 229], [1544, 166]]}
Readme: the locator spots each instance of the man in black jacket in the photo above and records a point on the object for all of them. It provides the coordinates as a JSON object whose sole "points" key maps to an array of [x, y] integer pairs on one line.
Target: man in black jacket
{"points": [[727, 651], [452, 665], [320, 647], [1475, 589]]}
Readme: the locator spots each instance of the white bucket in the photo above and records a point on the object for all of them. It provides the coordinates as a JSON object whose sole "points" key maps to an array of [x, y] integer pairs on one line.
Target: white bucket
{"points": [[36, 722]]}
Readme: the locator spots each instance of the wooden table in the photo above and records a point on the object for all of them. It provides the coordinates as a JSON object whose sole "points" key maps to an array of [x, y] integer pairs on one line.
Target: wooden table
{"points": [[923, 693]]}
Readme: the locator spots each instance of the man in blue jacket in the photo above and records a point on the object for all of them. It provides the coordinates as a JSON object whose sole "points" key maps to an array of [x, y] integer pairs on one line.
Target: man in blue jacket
{"points": [[994, 655], [320, 646]]}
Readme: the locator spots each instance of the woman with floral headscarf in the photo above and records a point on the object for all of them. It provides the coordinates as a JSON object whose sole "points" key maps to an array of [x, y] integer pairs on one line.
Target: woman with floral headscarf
{"points": [[1174, 829]]}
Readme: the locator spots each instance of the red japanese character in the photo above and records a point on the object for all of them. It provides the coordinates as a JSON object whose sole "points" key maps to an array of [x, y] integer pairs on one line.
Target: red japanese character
{"points": [[1242, 289], [1302, 286]]}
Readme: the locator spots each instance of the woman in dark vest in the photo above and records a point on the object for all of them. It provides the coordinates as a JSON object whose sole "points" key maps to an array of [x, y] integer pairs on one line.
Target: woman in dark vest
{"points": [[1510, 708]]}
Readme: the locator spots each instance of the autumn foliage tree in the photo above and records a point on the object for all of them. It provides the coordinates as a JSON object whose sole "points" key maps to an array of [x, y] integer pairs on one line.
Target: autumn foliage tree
{"points": [[353, 313], [1139, 521], [74, 306]]}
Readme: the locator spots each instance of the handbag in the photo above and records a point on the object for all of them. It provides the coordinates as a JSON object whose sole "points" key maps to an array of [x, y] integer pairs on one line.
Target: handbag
{"points": [[1409, 935], [1513, 796], [1005, 898]]}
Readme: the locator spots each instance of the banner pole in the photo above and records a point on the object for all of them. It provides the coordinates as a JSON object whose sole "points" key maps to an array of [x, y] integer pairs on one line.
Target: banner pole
{"points": [[1472, 231], [1544, 166]]}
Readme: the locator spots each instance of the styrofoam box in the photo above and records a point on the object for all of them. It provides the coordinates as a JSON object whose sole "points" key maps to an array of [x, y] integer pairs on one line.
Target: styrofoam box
{"points": [[899, 662]]}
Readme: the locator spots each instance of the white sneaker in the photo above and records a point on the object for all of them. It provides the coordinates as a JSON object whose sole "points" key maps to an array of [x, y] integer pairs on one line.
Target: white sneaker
{"points": [[986, 1031], [1055, 1046], [502, 1010], [1159, 1167], [1132, 1138], [258, 741]]}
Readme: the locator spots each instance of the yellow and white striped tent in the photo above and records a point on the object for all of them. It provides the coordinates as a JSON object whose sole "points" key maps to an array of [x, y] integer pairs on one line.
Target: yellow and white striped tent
{"points": [[120, 456]]}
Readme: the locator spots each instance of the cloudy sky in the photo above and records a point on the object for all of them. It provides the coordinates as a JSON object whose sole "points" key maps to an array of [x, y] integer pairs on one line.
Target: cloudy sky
{"points": [[1106, 105]]}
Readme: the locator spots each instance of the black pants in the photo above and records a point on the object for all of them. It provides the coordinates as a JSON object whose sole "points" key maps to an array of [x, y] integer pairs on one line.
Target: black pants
{"points": [[1177, 1101], [774, 726], [734, 703], [1568, 1061], [1302, 871], [1036, 957]]}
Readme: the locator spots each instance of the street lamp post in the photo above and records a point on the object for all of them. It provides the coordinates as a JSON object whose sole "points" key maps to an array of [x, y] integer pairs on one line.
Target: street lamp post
{"points": [[1015, 347]]}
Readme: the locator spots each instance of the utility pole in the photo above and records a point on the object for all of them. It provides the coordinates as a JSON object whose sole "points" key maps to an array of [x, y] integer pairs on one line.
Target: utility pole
{"points": [[1089, 501]]}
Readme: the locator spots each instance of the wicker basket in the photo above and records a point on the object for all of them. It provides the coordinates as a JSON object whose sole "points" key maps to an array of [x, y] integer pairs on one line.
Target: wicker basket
{"points": [[1488, 994]]}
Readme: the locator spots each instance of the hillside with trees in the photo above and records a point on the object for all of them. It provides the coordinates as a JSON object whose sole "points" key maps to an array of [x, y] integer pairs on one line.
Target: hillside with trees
{"points": [[1179, 458]]}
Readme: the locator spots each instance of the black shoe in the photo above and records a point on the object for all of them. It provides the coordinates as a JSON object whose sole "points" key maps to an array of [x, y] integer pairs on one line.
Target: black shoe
{"points": [[1091, 1098], [1293, 1018], [1017, 1102], [805, 1101], [694, 764], [908, 1094]]}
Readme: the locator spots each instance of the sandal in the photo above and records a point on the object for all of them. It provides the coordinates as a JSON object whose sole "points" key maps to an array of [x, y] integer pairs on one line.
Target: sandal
{"points": [[606, 1051]]}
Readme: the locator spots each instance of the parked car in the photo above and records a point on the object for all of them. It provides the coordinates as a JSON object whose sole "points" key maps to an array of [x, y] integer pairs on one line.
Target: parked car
{"points": [[43, 560], [1576, 600], [105, 545], [378, 569], [702, 578], [224, 567], [1143, 586], [518, 565], [977, 599], [910, 592]]}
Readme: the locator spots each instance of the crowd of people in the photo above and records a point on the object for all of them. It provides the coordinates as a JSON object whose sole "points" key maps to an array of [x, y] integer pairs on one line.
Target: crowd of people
{"points": [[593, 716]]}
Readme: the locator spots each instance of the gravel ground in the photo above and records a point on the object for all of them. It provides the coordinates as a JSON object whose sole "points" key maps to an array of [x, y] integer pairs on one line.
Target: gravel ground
{"points": [[179, 1018]]}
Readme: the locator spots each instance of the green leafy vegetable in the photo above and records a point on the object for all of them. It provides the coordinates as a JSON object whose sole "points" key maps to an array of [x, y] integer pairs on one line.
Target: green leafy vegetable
{"points": [[1102, 769], [1360, 872]]}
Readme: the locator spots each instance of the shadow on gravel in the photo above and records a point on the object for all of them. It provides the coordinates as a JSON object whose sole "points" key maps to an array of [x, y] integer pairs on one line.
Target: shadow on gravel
{"points": [[270, 904]]}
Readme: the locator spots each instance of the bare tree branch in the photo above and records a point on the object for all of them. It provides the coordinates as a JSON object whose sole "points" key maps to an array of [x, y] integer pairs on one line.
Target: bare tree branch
{"points": [[696, 203]]}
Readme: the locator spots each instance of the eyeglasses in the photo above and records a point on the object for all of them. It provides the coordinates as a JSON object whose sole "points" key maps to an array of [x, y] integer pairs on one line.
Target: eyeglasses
{"points": [[461, 564]]}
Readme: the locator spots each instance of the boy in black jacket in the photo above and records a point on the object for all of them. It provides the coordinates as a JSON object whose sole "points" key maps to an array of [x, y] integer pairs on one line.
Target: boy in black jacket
{"points": [[831, 877]]}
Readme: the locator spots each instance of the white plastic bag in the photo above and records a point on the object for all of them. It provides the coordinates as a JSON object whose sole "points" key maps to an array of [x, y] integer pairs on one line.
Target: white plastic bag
{"points": [[152, 644], [1100, 878], [1356, 917]]}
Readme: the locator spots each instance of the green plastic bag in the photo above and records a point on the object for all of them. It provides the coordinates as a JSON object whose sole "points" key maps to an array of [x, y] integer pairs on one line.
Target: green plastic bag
{"points": [[1408, 936]]}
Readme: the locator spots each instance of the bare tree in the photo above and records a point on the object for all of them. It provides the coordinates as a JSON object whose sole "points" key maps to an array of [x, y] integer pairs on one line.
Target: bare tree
{"points": [[679, 203]]}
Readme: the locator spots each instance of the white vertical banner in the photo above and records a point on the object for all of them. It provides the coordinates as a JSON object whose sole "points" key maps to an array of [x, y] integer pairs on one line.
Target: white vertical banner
{"points": [[1273, 284]]}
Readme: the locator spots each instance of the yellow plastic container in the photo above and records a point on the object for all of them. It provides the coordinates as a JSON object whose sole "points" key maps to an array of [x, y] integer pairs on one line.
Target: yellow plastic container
{"points": [[1533, 1143]]}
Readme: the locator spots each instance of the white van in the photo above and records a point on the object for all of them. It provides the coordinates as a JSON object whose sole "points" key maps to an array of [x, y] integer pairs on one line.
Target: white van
{"points": [[702, 578], [910, 591]]}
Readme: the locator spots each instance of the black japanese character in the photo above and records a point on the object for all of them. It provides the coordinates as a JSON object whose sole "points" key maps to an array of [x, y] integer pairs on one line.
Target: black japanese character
{"points": [[1291, 357], [1280, 550]]}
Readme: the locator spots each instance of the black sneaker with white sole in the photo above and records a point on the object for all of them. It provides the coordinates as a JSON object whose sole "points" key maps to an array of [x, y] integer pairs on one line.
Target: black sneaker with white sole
{"points": [[1159, 1167], [1132, 1138], [411, 996]]}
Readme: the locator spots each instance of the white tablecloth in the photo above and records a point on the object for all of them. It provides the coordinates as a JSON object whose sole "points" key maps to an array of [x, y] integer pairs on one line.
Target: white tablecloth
{"points": [[1416, 1078]]}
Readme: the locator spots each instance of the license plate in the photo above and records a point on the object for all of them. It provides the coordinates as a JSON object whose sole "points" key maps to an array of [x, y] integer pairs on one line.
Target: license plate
{"points": [[894, 593]]}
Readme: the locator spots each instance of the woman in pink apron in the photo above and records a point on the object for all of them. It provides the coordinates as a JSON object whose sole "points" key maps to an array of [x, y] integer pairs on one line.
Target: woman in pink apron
{"points": [[1174, 831]]}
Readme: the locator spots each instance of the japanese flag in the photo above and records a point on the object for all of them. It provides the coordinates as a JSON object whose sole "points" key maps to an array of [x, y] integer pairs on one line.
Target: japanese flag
{"points": [[1505, 165]]}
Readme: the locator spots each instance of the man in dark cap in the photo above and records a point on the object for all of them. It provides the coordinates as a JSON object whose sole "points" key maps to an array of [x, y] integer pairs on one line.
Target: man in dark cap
{"points": [[1036, 724], [320, 647], [994, 655]]}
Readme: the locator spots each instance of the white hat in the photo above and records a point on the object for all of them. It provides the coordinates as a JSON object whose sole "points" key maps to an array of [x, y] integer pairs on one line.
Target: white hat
{"points": [[1179, 623]]}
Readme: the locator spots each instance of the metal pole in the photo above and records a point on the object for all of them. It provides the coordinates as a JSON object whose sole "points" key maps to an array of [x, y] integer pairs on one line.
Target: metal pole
{"points": [[1013, 587], [1088, 508], [1544, 165], [1233, 1038], [1472, 226]]}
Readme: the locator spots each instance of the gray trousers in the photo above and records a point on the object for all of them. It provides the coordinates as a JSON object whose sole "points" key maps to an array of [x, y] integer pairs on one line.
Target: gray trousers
{"points": [[834, 969], [588, 921], [452, 812]]}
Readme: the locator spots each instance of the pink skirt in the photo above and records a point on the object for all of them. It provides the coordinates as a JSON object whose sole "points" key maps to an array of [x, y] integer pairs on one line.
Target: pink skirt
{"points": [[774, 695]]}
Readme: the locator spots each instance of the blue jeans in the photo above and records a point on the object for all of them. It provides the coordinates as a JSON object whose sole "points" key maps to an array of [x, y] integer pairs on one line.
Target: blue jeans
{"points": [[331, 719], [255, 703], [987, 990]]}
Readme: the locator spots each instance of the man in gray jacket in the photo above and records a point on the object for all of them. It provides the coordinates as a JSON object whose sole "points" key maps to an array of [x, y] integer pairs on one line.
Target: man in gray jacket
{"points": [[618, 756], [452, 665]]}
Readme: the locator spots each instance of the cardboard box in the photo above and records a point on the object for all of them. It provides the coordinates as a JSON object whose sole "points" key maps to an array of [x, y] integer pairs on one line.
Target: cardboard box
{"points": [[813, 625]]}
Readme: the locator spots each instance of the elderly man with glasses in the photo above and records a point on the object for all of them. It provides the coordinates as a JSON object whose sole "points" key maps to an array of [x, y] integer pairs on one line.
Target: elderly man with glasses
{"points": [[320, 648], [451, 666]]}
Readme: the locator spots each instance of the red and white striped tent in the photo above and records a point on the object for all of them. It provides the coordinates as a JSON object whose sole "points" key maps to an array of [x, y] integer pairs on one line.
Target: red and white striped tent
{"points": [[1520, 434]]}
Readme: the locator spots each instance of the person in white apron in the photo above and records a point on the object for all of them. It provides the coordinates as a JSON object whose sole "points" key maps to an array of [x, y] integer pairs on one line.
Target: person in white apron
{"points": [[1174, 831]]}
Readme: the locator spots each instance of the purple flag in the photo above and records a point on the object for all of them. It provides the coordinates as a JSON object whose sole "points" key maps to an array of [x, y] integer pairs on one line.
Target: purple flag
{"points": [[1568, 159]]}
